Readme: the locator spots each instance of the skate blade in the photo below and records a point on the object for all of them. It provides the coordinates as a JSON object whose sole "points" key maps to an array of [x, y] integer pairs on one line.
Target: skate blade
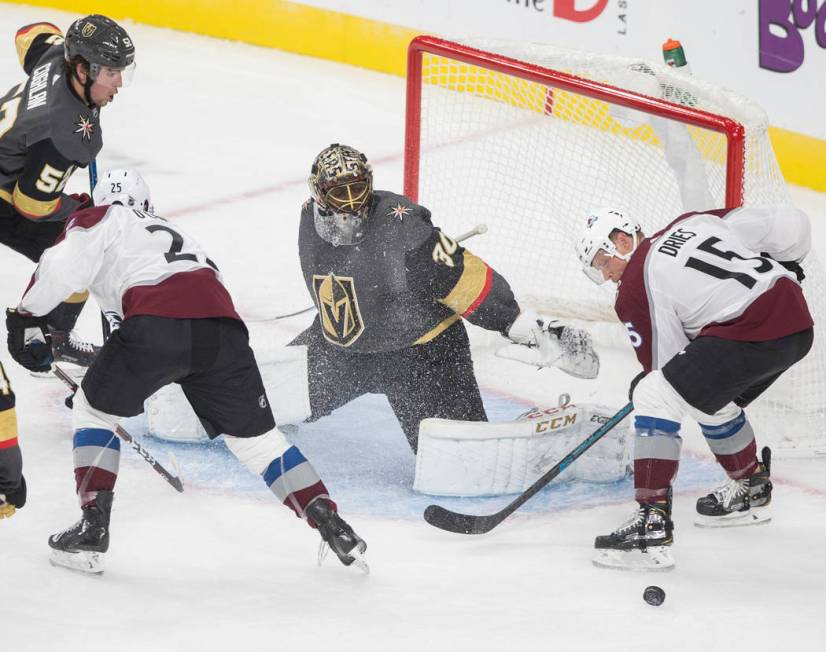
{"points": [[655, 558], [81, 561], [359, 560], [737, 519]]}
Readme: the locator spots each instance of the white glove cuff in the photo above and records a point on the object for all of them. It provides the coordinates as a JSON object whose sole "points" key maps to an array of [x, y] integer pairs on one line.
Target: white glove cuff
{"points": [[521, 330]]}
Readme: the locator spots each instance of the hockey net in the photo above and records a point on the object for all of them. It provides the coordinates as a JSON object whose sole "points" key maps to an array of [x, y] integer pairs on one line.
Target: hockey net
{"points": [[528, 138]]}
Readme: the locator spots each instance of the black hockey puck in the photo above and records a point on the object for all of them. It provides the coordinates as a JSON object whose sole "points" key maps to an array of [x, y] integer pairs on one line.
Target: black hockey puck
{"points": [[653, 595]]}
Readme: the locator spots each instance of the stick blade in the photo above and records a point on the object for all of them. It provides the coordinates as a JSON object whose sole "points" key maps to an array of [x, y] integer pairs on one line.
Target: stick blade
{"points": [[449, 521]]}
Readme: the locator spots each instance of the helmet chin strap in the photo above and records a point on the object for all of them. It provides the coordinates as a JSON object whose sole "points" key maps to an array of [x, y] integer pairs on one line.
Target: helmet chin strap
{"points": [[87, 90]]}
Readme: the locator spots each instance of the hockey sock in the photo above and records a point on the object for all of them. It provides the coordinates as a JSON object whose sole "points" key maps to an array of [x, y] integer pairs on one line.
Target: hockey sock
{"points": [[733, 445], [657, 445], [294, 481], [97, 457]]}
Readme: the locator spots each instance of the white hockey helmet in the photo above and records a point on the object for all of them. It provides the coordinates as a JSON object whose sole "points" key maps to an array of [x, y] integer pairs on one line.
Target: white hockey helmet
{"points": [[601, 223], [123, 186]]}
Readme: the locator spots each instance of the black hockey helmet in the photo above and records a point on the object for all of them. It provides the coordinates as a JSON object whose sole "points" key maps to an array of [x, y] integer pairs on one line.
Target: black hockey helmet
{"points": [[341, 180], [100, 41]]}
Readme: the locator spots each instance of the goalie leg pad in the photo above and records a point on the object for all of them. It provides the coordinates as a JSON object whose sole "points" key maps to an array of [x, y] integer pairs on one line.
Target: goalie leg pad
{"points": [[464, 458]]}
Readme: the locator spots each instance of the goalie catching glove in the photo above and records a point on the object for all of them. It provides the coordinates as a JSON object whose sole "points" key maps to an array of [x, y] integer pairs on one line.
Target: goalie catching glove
{"points": [[546, 342], [29, 341]]}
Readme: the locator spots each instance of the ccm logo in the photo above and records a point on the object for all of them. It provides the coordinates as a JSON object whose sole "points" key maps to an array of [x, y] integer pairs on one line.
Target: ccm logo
{"points": [[555, 423]]}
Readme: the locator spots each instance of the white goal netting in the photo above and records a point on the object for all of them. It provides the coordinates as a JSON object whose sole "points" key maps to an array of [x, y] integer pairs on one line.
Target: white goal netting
{"points": [[530, 160]]}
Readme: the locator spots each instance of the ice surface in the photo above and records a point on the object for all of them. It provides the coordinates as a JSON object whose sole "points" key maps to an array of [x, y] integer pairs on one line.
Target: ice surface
{"points": [[224, 134]]}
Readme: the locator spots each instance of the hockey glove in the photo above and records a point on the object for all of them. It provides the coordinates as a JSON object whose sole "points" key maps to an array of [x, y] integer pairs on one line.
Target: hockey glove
{"points": [[29, 341], [794, 268], [13, 500], [792, 265], [545, 342]]}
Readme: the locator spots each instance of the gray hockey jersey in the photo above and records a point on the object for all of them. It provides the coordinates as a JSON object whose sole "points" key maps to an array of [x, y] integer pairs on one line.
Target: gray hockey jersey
{"points": [[46, 131], [402, 285]]}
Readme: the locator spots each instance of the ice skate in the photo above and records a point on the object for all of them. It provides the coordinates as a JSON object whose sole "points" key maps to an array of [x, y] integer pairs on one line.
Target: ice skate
{"points": [[82, 546], [642, 542], [68, 347], [737, 503], [337, 535]]}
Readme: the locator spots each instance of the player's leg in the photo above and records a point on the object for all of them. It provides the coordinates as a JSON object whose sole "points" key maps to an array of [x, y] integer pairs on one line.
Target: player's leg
{"points": [[644, 539], [742, 371], [228, 396], [96, 457], [12, 482], [434, 379], [143, 355]]}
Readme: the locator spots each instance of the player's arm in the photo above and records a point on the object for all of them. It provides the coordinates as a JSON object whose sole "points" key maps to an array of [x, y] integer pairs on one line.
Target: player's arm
{"points": [[12, 484], [38, 193], [32, 41], [67, 267], [783, 232], [440, 268], [72, 264]]}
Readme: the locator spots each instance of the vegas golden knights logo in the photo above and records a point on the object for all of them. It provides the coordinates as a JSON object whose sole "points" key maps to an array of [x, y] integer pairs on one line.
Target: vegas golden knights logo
{"points": [[88, 30], [338, 309]]}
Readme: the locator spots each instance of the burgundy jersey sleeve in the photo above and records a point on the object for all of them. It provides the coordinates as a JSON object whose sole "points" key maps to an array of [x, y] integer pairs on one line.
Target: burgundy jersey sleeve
{"points": [[633, 309]]}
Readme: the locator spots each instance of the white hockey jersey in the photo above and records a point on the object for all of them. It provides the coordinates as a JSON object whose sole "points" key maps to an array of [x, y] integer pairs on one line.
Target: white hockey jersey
{"points": [[704, 275], [133, 263]]}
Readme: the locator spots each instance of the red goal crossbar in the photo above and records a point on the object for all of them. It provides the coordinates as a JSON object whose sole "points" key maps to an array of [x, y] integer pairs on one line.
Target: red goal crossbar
{"points": [[731, 129]]}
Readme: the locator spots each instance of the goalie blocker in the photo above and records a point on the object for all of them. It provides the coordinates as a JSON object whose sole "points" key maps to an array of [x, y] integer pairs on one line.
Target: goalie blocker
{"points": [[464, 458]]}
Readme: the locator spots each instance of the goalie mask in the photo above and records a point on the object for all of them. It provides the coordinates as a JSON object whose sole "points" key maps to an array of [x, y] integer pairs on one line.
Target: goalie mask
{"points": [[125, 187], [600, 225], [341, 183]]}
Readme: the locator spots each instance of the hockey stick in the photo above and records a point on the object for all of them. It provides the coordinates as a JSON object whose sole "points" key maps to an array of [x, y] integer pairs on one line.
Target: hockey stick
{"points": [[469, 524], [476, 230], [174, 480]]}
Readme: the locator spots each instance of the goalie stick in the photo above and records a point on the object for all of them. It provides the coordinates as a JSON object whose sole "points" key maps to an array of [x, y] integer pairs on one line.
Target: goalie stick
{"points": [[174, 480], [476, 230], [445, 519]]}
